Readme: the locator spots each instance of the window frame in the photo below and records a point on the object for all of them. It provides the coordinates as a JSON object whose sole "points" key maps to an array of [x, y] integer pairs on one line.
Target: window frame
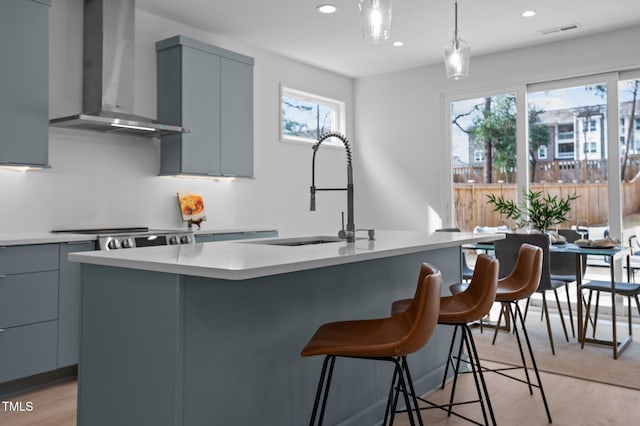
{"points": [[542, 152], [339, 107]]}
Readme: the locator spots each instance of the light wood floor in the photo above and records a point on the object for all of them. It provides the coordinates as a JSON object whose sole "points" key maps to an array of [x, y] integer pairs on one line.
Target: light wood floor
{"points": [[572, 402]]}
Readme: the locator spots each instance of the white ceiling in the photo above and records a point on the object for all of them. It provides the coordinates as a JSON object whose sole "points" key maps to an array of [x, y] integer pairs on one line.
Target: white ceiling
{"points": [[294, 29]]}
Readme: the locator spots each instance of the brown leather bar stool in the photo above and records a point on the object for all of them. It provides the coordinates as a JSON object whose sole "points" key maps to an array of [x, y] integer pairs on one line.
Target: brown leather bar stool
{"points": [[460, 310], [385, 339], [520, 284]]}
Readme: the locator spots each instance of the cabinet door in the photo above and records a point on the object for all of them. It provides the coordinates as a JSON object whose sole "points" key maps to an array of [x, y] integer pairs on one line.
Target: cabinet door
{"points": [[24, 88], [200, 112], [28, 298], [28, 258], [27, 350], [237, 118], [69, 303]]}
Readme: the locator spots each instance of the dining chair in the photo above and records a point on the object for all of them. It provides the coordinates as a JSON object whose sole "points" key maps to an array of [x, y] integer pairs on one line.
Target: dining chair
{"points": [[629, 290], [563, 268], [506, 251], [633, 263], [467, 271]]}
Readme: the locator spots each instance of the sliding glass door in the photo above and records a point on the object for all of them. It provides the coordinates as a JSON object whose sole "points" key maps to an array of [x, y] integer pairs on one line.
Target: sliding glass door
{"points": [[629, 129], [567, 148], [484, 159]]}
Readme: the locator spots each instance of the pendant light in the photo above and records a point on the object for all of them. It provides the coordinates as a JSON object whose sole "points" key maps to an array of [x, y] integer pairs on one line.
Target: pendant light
{"points": [[457, 54], [376, 20]]}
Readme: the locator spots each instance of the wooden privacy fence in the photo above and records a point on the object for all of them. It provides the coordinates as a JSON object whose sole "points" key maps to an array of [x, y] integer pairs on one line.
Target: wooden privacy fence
{"points": [[472, 209]]}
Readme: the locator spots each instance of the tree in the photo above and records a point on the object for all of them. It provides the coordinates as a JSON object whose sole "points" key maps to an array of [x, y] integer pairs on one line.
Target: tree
{"points": [[586, 112], [538, 136], [495, 128], [630, 128], [291, 126], [314, 115]]}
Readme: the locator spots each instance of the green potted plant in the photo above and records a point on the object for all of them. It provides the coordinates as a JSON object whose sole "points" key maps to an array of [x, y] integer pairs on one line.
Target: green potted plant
{"points": [[537, 211]]}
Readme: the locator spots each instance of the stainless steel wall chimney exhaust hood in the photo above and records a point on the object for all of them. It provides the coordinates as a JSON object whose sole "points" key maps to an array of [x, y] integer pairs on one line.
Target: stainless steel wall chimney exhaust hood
{"points": [[108, 73]]}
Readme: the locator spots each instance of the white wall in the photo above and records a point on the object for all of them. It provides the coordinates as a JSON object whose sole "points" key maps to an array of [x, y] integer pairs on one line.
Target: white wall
{"points": [[400, 162], [404, 163], [103, 180]]}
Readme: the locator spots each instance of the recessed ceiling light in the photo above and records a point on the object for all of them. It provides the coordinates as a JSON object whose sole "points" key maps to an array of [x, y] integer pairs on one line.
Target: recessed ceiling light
{"points": [[398, 43], [326, 8], [528, 13]]}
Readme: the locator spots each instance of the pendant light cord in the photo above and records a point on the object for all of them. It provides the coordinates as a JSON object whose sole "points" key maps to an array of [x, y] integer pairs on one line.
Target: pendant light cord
{"points": [[455, 31]]}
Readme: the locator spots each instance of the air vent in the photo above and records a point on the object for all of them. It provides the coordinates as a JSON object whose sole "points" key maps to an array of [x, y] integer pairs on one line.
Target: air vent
{"points": [[560, 29]]}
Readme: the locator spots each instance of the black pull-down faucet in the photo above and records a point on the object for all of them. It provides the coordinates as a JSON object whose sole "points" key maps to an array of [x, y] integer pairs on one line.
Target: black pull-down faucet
{"points": [[350, 233]]}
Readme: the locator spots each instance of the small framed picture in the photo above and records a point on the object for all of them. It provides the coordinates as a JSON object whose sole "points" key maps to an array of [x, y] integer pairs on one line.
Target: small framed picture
{"points": [[191, 208]]}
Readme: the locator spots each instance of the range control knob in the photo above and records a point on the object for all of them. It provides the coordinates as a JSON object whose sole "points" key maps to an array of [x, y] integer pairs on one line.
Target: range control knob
{"points": [[127, 243], [174, 240], [113, 244], [185, 239]]}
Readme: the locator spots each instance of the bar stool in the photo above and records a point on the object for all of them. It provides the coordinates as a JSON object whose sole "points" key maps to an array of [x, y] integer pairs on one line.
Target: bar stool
{"points": [[385, 339], [460, 310], [520, 284]]}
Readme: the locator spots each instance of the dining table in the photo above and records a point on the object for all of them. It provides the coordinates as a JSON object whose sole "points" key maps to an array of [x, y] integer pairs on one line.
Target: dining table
{"points": [[617, 343]]}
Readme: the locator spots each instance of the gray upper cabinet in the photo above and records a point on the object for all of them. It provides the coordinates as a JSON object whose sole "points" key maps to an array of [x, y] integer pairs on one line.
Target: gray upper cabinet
{"points": [[24, 88], [210, 91]]}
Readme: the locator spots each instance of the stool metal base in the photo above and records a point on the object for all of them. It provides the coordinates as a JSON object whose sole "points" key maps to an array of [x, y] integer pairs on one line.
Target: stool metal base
{"points": [[401, 383], [517, 317]]}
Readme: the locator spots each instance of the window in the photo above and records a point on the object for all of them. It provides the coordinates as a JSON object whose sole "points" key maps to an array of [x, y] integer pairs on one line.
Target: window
{"points": [[542, 152], [483, 154], [565, 150], [579, 159], [628, 108], [304, 117], [565, 131]]}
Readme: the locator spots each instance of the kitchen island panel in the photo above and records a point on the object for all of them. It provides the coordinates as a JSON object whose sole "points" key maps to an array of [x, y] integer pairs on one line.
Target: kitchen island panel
{"points": [[189, 350], [130, 348]]}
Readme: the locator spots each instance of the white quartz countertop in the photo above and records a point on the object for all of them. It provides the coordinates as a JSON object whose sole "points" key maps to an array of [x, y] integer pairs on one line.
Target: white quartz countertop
{"points": [[245, 259]]}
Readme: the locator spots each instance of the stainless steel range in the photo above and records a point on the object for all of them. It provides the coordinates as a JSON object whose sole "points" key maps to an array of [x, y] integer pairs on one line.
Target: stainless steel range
{"points": [[124, 238]]}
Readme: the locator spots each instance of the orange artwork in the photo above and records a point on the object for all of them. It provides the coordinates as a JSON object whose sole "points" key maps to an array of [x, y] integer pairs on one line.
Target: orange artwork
{"points": [[191, 206]]}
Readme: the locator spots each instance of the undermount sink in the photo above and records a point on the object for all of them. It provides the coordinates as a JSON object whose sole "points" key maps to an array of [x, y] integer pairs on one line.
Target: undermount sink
{"points": [[300, 241]]}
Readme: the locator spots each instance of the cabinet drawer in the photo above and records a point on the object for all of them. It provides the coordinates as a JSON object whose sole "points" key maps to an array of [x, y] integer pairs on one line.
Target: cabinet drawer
{"points": [[28, 298], [33, 258], [28, 350]]}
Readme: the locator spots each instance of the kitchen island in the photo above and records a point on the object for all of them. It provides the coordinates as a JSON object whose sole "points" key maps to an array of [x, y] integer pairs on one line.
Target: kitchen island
{"points": [[211, 333]]}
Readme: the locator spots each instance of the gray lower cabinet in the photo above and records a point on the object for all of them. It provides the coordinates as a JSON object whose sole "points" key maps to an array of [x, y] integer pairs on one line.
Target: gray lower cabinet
{"points": [[203, 238], [28, 350], [39, 308], [28, 310], [69, 303], [210, 91], [24, 109]]}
